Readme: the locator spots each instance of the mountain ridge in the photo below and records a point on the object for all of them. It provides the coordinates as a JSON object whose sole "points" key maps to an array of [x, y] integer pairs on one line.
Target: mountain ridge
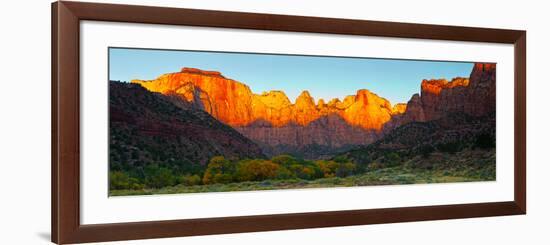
{"points": [[233, 102], [275, 123], [475, 96]]}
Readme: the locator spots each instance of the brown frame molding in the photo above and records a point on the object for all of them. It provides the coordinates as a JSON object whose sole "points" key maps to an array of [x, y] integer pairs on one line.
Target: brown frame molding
{"points": [[66, 17]]}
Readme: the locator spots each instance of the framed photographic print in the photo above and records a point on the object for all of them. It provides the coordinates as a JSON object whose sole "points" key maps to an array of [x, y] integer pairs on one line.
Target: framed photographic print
{"points": [[177, 122]]}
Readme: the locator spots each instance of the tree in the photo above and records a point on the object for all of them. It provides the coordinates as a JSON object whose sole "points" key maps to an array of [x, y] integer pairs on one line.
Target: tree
{"points": [[341, 159], [392, 159], [284, 160], [345, 169], [190, 180], [158, 177], [257, 170], [302, 172], [284, 173], [219, 170], [328, 167], [119, 180], [375, 165]]}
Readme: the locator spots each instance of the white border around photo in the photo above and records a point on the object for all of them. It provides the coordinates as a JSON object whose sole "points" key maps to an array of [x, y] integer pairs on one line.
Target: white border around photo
{"points": [[97, 207]]}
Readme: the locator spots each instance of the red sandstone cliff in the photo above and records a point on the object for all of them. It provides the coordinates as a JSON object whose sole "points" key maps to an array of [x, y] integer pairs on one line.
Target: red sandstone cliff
{"points": [[280, 125], [475, 96], [227, 100], [233, 102]]}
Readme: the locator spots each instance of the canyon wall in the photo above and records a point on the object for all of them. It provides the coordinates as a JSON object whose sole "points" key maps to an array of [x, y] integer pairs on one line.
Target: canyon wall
{"points": [[281, 126], [233, 102], [475, 96], [273, 121]]}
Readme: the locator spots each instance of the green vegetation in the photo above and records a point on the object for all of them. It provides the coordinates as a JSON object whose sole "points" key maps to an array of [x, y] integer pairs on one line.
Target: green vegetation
{"points": [[157, 177], [224, 171], [428, 152], [287, 172], [219, 170], [158, 141], [120, 180]]}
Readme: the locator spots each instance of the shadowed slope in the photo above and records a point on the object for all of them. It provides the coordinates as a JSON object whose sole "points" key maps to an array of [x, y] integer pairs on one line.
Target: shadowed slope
{"points": [[149, 127]]}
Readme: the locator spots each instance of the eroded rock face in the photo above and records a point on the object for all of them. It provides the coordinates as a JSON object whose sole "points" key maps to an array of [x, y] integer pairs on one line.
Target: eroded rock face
{"points": [[273, 107], [305, 110], [415, 110], [227, 100], [276, 123], [325, 135], [399, 108], [475, 96], [440, 96], [368, 111], [482, 97], [233, 102]]}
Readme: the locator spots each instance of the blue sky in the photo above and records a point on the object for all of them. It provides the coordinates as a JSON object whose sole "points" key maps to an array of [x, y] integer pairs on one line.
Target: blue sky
{"points": [[323, 77]]}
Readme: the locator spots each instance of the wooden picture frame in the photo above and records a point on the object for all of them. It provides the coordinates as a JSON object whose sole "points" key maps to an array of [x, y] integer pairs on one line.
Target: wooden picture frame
{"points": [[65, 177]]}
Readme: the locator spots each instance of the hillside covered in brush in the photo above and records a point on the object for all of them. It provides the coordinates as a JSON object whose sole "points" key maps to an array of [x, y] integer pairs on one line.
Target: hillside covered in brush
{"points": [[149, 128], [416, 144]]}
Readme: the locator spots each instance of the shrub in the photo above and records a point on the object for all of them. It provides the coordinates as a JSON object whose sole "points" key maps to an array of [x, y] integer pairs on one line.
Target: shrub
{"points": [[190, 180], [345, 169], [375, 165], [341, 159], [158, 177], [298, 168], [222, 178], [328, 167], [257, 170], [392, 159], [122, 181], [135, 184], [306, 172], [219, 170], [118, 180], [284, 173], [284, 160]]}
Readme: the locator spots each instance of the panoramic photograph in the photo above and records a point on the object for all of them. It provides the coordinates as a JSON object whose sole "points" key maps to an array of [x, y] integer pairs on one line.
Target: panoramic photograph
{"points": [[205, 121]]}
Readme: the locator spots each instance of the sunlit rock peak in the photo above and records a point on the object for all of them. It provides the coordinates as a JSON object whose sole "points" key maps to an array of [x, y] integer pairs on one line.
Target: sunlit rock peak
{"points": [[233, 103]]}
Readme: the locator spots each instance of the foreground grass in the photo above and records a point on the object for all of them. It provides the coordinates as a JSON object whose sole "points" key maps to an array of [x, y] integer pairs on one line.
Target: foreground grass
{"points": [[408, 173]]}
